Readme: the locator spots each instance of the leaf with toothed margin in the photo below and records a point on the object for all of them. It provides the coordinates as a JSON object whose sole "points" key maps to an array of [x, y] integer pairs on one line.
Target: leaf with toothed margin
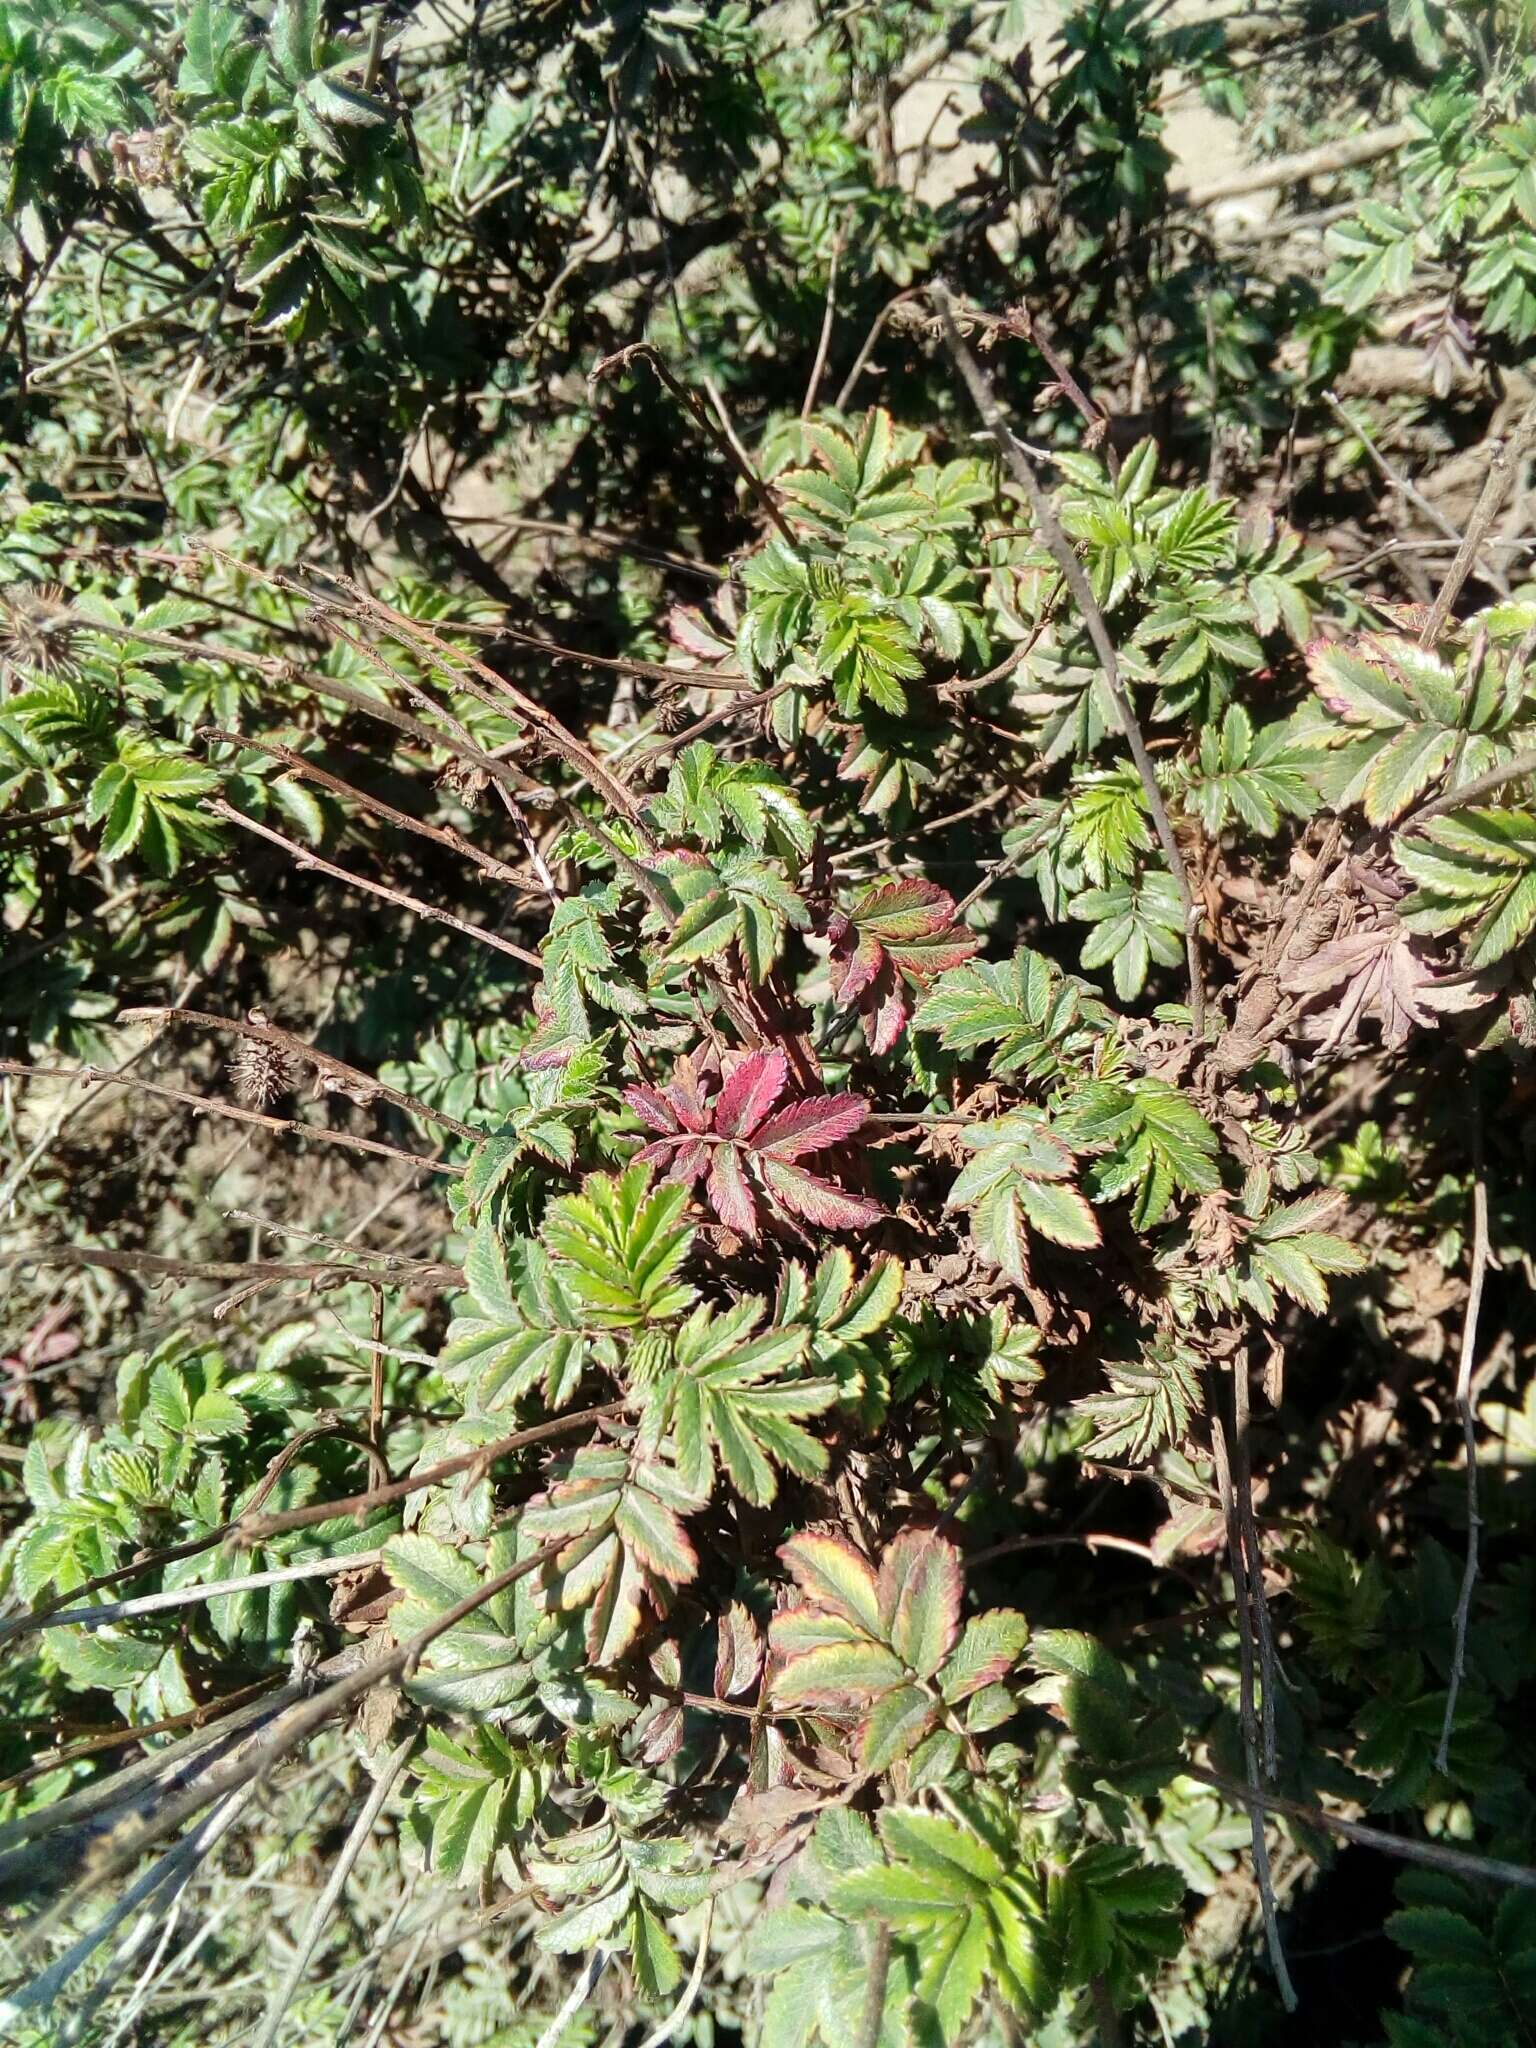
{"points": [[725, 1124], [895, 934]]}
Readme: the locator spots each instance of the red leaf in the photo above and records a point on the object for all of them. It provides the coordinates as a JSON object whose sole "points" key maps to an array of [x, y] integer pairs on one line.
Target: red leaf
{"points": [[811, 1125], [885, 1009], [689, 1161], [688, 628], [686, 1094], [857, 958], [728, 1134], [652, 1107], [739, 1657], [896, 931], [730, 1192], [920, 1592], [896, 913], [818, 1201], [752, 1088], [684, 1158]]}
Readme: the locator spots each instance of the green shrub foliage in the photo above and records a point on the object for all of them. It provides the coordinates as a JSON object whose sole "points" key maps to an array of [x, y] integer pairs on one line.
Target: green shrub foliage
{"points": [[765, 1235]]}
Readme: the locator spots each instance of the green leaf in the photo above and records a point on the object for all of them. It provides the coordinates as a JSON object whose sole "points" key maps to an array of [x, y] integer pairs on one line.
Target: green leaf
{"points": [[621, 1246], [1474, 869], [1017, 1181], [1039, 1020], [734, 1394]]}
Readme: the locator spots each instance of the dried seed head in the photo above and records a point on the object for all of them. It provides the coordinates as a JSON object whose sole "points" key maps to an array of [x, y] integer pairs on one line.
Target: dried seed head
{"points": [[671, 712], [462, 779], [37, 629], [261, 1073]]}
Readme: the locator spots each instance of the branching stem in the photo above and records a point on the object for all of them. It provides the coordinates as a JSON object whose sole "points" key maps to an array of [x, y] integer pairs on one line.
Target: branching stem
{"points": [[1049, 526]]}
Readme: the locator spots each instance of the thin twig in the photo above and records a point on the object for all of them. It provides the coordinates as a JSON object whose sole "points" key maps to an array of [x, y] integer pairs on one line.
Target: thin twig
{"points": [[248, 1530], [641, 351], [728, 679], [122, 1738], [1049, 527], [332, 1072], [392, 1996], [881, 320], [207, 1105], [549, 729], [1409, 489], [586, 1983], [874, 1998], [281, 672], [121, 1850], [1470, 792], [212, 1589], [22, 821], [1479, 1274], [170, 1873], [1249, 1718], [1482, 1869], [414, 904], [1301, 167], [659, 2036], [1023, 322], [441, 835], [670, 743], [328, 1900], [45, 373], [155, 1560], [828, 321], [1248, 1527], [1505, 459], [153, 1266]]}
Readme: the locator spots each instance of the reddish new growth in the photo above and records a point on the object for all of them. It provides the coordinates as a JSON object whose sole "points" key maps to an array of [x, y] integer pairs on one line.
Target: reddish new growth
{"points": [[733, 1137], [897, 932]]}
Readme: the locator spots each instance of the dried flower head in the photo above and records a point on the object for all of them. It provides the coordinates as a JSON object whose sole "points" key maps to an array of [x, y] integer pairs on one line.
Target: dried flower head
{"points": [[671, 712], [37, 629], [261, 1073], [464, 781]]}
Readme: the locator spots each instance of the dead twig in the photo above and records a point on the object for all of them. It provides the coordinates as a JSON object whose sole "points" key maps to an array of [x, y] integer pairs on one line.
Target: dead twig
{"points": [[331, 1072], [1481, 1869], [881, 321], [828, 320], [879, 1978], [440, 835], [1471, 792], [155, 1267], [249, 1529], [1503, 464], [207, 1105], [122, 1848], [546, 726], [1479, 1274], [1389, 475], [211, 1589], [414, 904], [1302, 166], [174, 1553], [326, 1904], [1248, 1716], [122, 1738], [1269, 1670]]}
